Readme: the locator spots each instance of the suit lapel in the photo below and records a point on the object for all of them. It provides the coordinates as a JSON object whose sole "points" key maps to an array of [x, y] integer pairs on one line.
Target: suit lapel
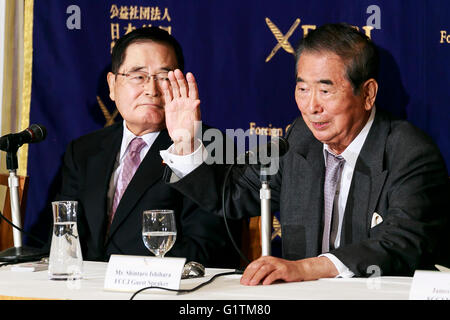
{"points": [[315, 221], [367, 182], [149, 172], [99, 170]]}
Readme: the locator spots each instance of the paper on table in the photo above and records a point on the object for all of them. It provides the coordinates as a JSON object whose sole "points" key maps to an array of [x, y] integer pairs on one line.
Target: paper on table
{"points": [[131, 273], [442, 268], [30, 266], [430, 285]]}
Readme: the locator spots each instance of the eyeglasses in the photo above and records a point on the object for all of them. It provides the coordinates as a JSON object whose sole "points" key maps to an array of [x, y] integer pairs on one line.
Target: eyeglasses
{"points": [[139, 77]]}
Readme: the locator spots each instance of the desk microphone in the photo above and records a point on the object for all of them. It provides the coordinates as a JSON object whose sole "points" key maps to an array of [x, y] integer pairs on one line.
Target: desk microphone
{"points": [[264, 155], [274, 150], [11, 142]]}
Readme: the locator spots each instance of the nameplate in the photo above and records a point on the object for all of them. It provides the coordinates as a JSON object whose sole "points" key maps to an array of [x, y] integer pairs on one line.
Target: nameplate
{"points": [[430, 285], [131, 273]]}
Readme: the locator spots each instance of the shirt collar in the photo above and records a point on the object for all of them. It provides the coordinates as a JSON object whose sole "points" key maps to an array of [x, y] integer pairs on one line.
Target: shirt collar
{"points": [[149, 138], [351, 153]]}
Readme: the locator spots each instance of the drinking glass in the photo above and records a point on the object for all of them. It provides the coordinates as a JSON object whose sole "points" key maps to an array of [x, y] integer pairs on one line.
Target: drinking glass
{"points": [[159, 231]]}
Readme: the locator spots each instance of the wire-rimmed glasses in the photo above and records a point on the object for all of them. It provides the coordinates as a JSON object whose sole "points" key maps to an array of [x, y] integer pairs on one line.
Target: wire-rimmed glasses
{"points": [[138, 78]]}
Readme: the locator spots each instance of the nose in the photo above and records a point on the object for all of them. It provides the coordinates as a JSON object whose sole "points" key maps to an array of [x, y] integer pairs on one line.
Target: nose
{"points": [[312, 104], [151, 88]]}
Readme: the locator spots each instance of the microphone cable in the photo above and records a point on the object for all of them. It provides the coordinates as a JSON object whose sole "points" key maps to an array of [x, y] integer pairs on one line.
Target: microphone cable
{"points": [[283, 147], [230, 235], [236, 271], [243, 257], [183, 291], [21, 230]]}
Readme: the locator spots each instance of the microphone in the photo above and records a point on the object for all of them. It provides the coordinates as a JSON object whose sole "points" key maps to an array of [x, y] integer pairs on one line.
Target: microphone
{"points": [[269, 157], [265, 153], [11, 142]]}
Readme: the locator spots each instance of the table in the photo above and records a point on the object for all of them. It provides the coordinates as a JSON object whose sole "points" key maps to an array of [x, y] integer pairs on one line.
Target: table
{"points": [[35, 285]]}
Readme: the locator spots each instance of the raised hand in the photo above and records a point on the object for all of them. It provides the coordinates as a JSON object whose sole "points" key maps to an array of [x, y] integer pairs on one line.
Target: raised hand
{"points": [[182, 109]]}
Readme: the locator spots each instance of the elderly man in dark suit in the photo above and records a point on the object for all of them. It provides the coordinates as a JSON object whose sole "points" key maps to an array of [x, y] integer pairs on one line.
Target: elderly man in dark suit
{"points": [[116, 173], [358, 191]]}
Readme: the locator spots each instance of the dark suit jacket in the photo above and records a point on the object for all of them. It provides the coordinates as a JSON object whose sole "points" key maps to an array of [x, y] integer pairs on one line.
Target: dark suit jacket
{"points": [[399, 174], [87, 169]]}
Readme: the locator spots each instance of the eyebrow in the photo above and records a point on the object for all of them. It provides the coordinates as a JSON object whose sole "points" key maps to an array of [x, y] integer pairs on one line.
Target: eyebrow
{"points": [[136, 68], [324, 81], [139, 68]]}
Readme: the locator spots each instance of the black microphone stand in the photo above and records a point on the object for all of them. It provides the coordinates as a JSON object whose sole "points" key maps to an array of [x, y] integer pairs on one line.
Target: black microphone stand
{"points": [[18, 253]]}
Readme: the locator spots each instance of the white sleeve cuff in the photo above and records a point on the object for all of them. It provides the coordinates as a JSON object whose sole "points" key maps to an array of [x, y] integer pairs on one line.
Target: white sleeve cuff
{"points": [[183, 165], [343, 270]]}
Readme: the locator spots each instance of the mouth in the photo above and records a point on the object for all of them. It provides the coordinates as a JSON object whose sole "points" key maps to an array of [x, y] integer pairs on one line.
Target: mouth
{"points": [[150, 105], [320, 125]]}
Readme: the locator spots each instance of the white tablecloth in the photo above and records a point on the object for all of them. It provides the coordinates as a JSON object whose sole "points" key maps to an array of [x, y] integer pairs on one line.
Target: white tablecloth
{"points": [[15, 284]]}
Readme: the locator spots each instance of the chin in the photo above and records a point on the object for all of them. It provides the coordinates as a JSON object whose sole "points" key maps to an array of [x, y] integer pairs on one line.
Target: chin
{"points": [[324, 138], [156, 125], [155, 117]]}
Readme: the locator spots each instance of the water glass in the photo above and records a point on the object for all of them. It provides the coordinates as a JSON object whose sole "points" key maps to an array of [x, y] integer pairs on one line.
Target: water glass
{"points": [[159, 231]]}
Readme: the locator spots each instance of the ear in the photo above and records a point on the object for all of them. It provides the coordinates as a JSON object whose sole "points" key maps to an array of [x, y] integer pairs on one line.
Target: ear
{"points": [[370, 89], [111, 78]]}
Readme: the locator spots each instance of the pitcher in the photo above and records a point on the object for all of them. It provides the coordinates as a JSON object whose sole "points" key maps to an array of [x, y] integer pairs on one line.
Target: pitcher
{"points": [[65, 261]]}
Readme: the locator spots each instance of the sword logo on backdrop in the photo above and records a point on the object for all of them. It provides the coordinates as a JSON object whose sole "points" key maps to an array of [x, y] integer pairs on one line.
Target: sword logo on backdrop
{"points": [[108, 116], [282, 39], [276, 228]]}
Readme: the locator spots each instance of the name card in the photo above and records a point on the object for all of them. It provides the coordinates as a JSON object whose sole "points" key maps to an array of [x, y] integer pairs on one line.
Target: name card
{"points": [[131, 273], [430, 285]]}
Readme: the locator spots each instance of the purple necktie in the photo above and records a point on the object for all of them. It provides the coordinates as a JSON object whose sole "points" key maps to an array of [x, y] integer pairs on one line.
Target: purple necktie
{"points": [[332, 174], [130, 165]]}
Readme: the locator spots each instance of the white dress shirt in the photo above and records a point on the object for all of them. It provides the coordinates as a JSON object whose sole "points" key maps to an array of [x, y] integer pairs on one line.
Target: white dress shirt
{"points": [[116, 181], [183, 165]]}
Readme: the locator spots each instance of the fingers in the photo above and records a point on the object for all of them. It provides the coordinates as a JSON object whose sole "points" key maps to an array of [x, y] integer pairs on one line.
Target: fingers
{"points": [[275, 275], [257, 271], [181, 81], [266, 270], [167, 93], [193, 90], [174, 84], [184, 87]]}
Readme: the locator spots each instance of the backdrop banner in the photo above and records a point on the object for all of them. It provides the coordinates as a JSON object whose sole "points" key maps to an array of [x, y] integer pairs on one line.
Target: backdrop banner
{"points": [[242, 54]]}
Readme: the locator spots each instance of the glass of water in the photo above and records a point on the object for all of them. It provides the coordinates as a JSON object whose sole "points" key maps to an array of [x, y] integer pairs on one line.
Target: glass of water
{"points": [[159, 231]]}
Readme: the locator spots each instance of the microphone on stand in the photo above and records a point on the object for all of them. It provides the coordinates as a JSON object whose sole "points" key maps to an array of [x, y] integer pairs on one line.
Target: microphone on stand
{"points": [[267, 156], [266, 153], [272, 152], [10, 143]]}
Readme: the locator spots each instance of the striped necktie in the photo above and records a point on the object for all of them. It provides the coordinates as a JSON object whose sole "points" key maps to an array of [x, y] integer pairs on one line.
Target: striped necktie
{"points": [[332, 174], [131, 163]]}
